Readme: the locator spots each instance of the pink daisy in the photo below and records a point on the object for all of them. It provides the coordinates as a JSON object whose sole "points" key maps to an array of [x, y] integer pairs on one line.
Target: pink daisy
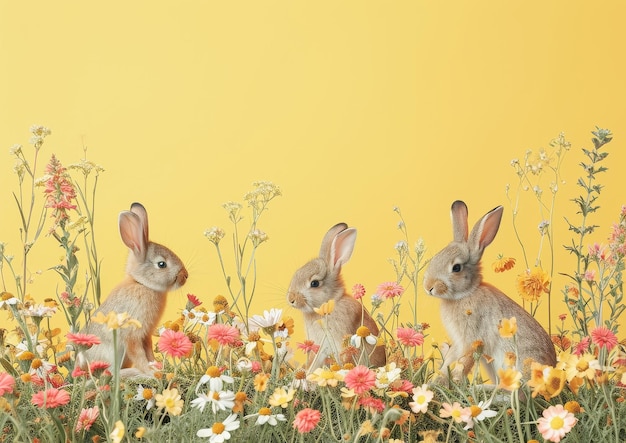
{"points": [[390, 289], [409, 337], [603, 337], [308, 346], [224, 334], [86, 340], [87, 418], [555, 423], [97, 368], [7, 383], [373, 404], [360, 379], [582, 346], [174, 343], [306, 420], [358, 291], [51, 398]]}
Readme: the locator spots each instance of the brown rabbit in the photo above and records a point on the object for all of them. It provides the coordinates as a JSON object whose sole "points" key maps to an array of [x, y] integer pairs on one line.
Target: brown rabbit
{"points": [[471, 309], [319, 281], [152, 270]]}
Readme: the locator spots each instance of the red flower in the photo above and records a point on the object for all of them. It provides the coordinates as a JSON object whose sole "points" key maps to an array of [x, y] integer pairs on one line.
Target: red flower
{"points": [[604, 337], [175, 343], [193, 301], [223, 334], [373, 404], [87, 340], [306, 420], [51, 398], [7, 382], [360, 379]]}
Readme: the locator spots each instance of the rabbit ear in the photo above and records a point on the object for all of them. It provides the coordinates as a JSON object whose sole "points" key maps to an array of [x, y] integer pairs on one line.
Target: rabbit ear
{"points": [[342, 247], [329, 238], [132, 232], [458, 213], [485, 230], [137, 208]]}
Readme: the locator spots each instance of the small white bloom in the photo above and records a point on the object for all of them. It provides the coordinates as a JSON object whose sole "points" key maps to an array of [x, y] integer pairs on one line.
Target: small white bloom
{"points": [[229, 424], [267, 320]]}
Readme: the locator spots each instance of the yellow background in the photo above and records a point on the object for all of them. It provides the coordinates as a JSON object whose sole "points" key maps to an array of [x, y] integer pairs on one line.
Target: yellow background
{"points": [[351, 107]]}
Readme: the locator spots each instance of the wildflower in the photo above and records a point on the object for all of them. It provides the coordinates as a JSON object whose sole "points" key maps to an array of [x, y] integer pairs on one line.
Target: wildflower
{"points": [[171, 401], [453, 410], [428, 436], [86, 340], [220, 304], [358, 291], [265, 416], [326, 308], [390, 290], [39, 311], [219, 401], [220, 431], [145, 394], [509, 379], [584, 366], [386, 375], [87, 418], [363, 334], [257, 237], [309, 346], [193, 301], [281, 397], [215, 235], [533, 283], [174, 343], [7, 299], [360, 379], [51, 398], [421, 398], [215, 378], [508, 327], [118, 432], [325, 377], [114, 320], [284, 328], [59, 192], [306, 420], [222, 333], [476, 413], [240, 399], [260, 382], [555, 423], [97, 368], [603, 337], [141, 431], [7, 383], [372, 404], [409, 337], [503, 264], [582, 346], [269, 319]]}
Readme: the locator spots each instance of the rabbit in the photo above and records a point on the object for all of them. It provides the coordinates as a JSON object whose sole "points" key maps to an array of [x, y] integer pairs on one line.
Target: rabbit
{"points": [[319, 281], [151, 271], [472, 309]]}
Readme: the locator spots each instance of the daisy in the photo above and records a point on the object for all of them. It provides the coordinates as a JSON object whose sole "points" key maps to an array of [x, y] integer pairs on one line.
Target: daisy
{"points": [[421, 398], [453, 410], [8, 299], [555, 423], [269, 319], [358, 291], [51, 398], [476, 413], [219, 401], [174, 343], [389, 289], [409, 337], [220, 431], [387, 375], [363, 334], [325, 377], [584, 366], [265, 416], [85, 340], [145, 394], [87, 418], [223, 334], [360, 379], [603, 337], [306, 420], [171, 401]]}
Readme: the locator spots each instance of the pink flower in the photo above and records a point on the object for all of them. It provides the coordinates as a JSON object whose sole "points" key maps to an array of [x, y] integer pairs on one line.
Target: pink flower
{"points": [[372, 403], [358, 291], [174, 343], [590, 275], [59, 192], [390, 289], [51, 398], [256, 366], [309, 346], [87, 418], [224, 334], [555, 423], [78, 372], [582, 346], [192, 301], [402, 386], [7, 383], [97, 368], [604, 337], [409, 337], [86, 340], [360, 379], [306, 420]]}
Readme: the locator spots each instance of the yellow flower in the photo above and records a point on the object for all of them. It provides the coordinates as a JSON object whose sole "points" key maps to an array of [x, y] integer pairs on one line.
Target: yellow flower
{"points": [[509, 379], [118, 432], [113, 320], [170, 401], [281, 397], [141, 431], [584, 366], [546, 380], [260, 382], [533, 283], [503, 264], [508, 327], [325, 377], [326, 308]]}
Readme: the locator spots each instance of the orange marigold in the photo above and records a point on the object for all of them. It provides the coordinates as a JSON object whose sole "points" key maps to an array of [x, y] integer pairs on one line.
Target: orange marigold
{"points": [[531, 284]]}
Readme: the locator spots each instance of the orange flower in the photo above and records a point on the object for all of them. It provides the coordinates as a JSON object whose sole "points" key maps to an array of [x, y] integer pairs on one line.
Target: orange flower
{"points": [[533, 283], [503, 264], [508, 327]]}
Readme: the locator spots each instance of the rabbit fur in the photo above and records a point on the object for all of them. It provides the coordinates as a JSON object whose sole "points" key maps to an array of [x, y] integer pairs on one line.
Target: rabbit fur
{"points": [[319, 281], [152, 270], [471, 309]]}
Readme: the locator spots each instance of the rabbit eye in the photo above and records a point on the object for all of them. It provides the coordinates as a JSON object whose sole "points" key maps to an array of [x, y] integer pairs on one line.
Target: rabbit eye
{"points": [[456, 268], [162, 264], [315, 283]]}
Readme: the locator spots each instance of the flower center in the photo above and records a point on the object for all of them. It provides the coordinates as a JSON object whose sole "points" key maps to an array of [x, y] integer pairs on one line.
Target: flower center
{"points": [[216, 396], [265, 411], [476, 410], [218, 428], [420, 399], [582, 365], [363, 331], [213, 371], [169, 403], [556, 423], [147, 394]]}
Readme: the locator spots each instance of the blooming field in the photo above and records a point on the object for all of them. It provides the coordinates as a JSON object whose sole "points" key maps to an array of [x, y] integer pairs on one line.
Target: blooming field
{"points": [[224, 373]]}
